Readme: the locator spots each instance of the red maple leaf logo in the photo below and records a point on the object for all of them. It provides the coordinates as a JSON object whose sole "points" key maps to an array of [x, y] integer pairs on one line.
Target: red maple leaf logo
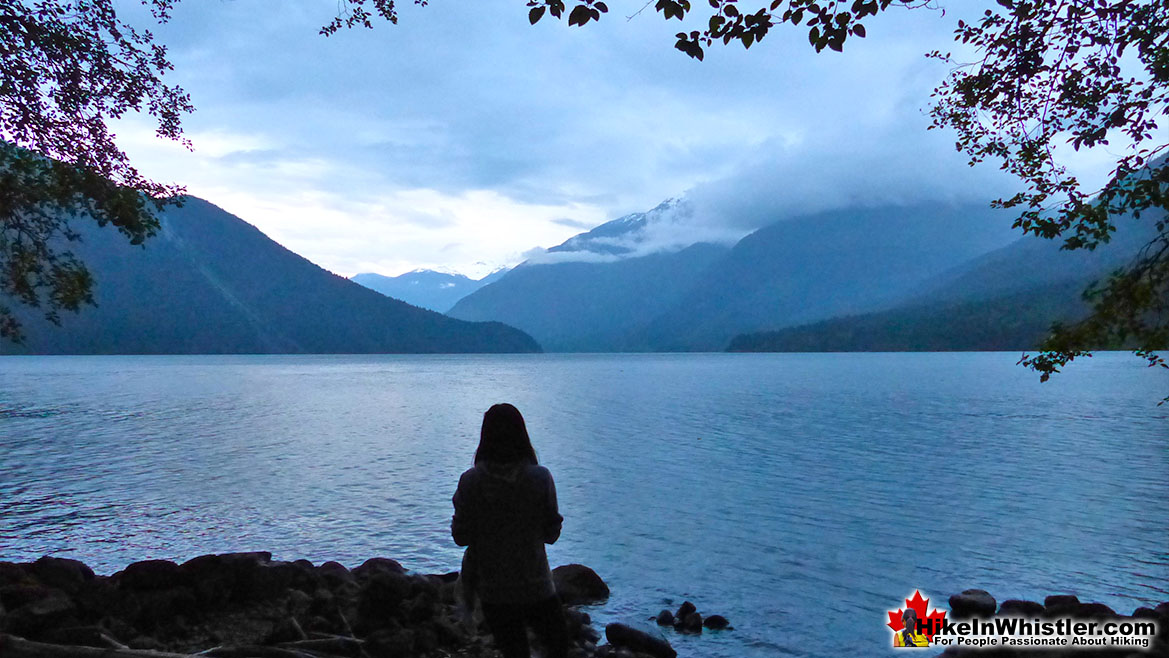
{"points": [[930, 624]]}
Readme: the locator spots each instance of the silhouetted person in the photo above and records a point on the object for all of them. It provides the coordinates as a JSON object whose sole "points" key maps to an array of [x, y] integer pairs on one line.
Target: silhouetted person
{"points": [[505, 511], [909, 637]]}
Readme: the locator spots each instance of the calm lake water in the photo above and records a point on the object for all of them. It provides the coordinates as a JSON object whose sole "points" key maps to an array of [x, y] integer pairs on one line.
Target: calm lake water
{"points": [[800, 495]]}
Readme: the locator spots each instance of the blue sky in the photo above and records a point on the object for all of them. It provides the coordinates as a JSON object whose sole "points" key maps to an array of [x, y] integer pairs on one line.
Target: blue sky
{"points": [[463, 136]]}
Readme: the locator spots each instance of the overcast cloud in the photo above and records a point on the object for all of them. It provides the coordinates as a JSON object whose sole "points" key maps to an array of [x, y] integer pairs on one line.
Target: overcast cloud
{"points": [[463, 137]]}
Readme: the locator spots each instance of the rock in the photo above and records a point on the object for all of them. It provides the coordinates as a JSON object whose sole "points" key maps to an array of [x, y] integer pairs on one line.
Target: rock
{"points": [[1061, 600], [574, 620], [13, 574], [273, 579], [379, 565], [665, 618], [335, 572], [17, 595], [286, 630], [1095, 611], [685, 609], [1017, 608], [972, 603], [298, 603], [691, 623], [36, 617], [590, 634], [318, 624], [632, 639], [397, 643], [716, 623], [151, 575], [421, 609], [450, 632], [381, 600], [159, 607], [63, 573], [425, 640], [579, 585], [1145, 613]]}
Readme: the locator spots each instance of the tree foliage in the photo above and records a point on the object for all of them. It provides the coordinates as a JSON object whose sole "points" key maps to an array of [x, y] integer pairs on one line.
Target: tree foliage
{"points": [[1084, 74], [66, 69]]}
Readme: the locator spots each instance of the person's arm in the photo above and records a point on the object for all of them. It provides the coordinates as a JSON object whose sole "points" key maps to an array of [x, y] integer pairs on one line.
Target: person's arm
{"points": [[462, 520], [552, 519]]}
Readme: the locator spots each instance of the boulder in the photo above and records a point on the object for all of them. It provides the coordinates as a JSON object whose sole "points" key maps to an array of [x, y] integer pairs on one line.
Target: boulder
{"points": [[685, 609], [62, 573], [1095, 611], [422, 608], [381, 601], [665, 618], [13, 574], [691, 623], [33, 618], [218, 579], [716, 623], [579, 585], [1018, 608], [380, 565], [335, 573], [1061, 600], [390, 643], [1145, 613], [632, 639], [151, 575], [21, 594], [286, 630], [972, 603]]}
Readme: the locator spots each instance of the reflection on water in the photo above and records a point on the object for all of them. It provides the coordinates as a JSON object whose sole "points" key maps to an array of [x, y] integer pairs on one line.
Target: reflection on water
{"points": [[799, 495]]}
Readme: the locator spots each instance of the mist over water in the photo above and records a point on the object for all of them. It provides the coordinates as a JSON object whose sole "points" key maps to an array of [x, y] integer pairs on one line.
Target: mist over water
{"points": [[800, 495]]}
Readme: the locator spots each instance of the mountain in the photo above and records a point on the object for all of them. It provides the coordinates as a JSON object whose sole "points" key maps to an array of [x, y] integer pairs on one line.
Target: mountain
{"points": [[587, 306], [211, 283], [1003, 300], [698, 297], [810, 268], [437, 291], [1012, 322], [591, 292], [624, 235]]}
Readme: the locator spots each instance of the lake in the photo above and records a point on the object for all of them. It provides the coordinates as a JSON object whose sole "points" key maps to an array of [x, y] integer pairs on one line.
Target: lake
{"points": [[800, 495]]}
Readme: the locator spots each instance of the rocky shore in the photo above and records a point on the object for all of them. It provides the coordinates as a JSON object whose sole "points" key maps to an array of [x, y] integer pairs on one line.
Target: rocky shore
{"points": [[977, 603], [245, 605]]}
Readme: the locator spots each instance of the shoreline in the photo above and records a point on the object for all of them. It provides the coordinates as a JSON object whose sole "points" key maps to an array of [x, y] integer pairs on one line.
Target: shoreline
{"points": [[240, 605], [245, 605]]}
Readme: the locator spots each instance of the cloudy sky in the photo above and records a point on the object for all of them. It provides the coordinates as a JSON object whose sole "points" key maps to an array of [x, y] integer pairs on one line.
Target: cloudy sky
{"points": [[463, 137]]}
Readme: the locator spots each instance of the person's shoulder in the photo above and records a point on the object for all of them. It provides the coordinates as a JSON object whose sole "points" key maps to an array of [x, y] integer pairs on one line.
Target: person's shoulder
{"points": [[538, 472], [470, 475]]}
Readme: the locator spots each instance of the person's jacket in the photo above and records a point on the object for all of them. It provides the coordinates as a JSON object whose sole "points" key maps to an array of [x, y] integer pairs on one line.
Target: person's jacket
{"points": [[506, 513]]}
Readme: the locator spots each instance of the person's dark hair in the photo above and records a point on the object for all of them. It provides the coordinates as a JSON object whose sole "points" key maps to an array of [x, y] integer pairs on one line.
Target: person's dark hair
{"points": [[504, 436]]}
